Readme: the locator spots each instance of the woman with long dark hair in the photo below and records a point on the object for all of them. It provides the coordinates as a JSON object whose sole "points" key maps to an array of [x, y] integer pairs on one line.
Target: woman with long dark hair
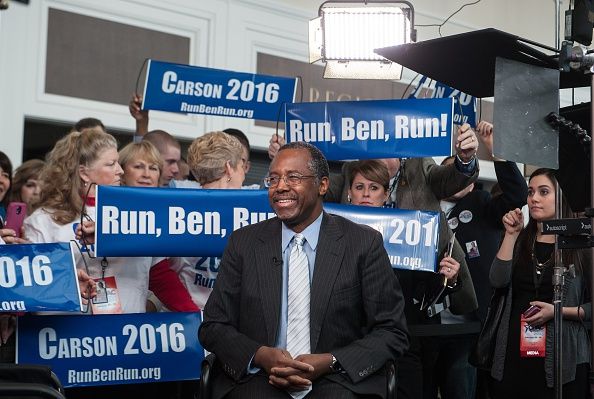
{"points": [[523, 359]]}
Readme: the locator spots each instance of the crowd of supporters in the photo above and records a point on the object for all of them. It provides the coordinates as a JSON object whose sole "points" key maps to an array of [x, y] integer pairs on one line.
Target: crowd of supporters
{"points": [[493, 249]]}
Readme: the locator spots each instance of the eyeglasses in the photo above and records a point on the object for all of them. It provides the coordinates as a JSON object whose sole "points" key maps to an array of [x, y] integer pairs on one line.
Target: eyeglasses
{"points": [[291, 180]]}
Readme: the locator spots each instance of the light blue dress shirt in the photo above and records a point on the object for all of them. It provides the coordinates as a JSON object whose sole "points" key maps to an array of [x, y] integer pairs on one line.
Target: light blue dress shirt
{"points": [[311, 234]]}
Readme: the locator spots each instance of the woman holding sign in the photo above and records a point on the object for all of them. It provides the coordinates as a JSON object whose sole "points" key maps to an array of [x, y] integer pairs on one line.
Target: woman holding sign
{"points": [[523, 357], [369, 183], [215, 160], [75, 166]]}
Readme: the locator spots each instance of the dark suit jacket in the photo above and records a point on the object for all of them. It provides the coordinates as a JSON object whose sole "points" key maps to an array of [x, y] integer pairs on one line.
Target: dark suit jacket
{"points": [[356, 303]]}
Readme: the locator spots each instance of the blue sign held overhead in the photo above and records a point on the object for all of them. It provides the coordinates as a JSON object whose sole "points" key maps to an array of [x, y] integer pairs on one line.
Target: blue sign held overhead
{"points": [[198, 90], [38, 278], [464, 106], [113, 349], [174, 222], [373, 129]]}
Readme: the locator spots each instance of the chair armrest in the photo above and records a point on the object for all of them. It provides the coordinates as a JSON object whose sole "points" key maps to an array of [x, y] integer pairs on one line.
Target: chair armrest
{"points": [[205, 376], [391, 379]]}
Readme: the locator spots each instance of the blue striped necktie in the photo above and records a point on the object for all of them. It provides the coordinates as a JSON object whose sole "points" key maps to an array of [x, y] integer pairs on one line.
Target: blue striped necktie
{"points": [[298, 304]]}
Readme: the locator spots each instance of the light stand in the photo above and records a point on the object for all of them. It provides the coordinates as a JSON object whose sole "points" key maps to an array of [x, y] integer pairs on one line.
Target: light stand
{"points": [[576, 233], [591, 375], [558, 282], [577, 58]]}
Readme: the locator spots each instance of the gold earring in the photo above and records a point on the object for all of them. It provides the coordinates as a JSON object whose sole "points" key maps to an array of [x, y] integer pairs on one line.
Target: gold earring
{"points": [[228, 179]]}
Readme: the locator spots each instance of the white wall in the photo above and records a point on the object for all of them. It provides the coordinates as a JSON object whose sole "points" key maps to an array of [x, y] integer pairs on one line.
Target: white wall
{"points": [[223, 34]]}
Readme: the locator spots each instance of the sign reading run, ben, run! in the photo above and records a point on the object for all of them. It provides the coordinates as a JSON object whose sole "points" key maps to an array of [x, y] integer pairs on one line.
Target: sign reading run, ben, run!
{"points": [[373, 129]]}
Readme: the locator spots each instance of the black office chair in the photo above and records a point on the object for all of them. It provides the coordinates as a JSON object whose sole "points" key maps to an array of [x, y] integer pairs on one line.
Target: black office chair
{"points": [[31, 381], [205, 390]]}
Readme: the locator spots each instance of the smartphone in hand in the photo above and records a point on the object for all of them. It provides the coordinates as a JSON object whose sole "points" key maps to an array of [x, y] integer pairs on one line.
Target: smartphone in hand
{"points": [[531, 311], [15, 215]]}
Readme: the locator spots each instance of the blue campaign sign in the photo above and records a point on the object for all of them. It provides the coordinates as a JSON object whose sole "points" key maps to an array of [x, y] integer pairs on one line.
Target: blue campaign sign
{"points": [[373, 129], [173, 222], [38, 278], [464, 106], [410, 237], [133, 221], [113, 349], [198, 90]]}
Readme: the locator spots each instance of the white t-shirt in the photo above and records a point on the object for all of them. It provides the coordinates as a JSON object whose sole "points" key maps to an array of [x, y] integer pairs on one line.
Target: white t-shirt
{"points": [[198, 274], [131, 274]]}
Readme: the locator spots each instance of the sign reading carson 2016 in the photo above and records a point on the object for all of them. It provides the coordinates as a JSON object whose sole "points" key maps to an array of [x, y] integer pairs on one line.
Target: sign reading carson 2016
{"points": [[198, 90], [373, 129]]}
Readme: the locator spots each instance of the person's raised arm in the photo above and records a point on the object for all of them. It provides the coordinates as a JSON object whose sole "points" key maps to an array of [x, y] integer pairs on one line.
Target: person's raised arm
{"points": [[275, 143], [466, 147], [500, 273], [141, 117], [513, 222], [514, 190], [484, 130]]}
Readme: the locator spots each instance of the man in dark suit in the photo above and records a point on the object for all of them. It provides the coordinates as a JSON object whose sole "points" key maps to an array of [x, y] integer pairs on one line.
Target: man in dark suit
{"points": [[356, 320], [418, 183]]}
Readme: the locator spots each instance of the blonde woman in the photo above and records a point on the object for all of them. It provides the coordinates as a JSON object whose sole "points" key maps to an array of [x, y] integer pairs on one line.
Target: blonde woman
{"points": [[215, 159], [142, 165]]}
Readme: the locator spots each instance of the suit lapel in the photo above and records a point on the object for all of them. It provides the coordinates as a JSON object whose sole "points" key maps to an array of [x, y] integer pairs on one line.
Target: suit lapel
{"points": [[267, 248], [329, 255]]}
